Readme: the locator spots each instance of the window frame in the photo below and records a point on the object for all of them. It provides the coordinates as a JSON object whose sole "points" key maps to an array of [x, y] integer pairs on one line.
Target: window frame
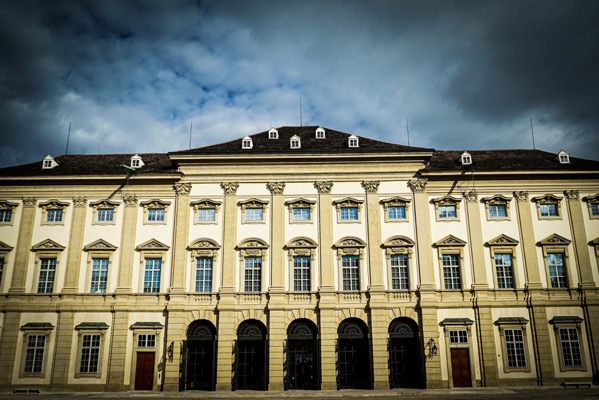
{"points": [[396, 202], [548, 199], [556, 244], [446, 201], [152, 249], [399, 246], [451, 246], [98, 249], [569, 322], [295, 142], [46, 249], [8, 207], [205, 204], [353, 141], [105, 204], [504, 244], [203, 248], [252, 204], [350, 246], [300, 203], [320, 133], [348, 203], [592, 200], [204, 282], [513, 323], [155, 204], [90, 329], [252, 248], [301, 247], [4, 256], [53, 205], [247, 143], [36, 329], [497, 200], [273, 134]]}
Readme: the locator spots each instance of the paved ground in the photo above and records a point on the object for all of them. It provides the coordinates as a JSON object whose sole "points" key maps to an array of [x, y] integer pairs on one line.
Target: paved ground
{"points": [[406, 394]]}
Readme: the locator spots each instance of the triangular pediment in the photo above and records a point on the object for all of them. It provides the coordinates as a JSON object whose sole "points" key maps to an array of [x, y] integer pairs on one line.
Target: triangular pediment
{"points": [[152, 244], [4, 248], [450, 240], [554, 240], [399, 241], [99, 244], [502, 240], [47, 244]]}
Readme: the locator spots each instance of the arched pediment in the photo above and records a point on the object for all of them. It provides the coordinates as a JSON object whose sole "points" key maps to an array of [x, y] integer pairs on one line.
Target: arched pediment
{"points": [[252, 243], [350, 242], [203, 244], [446, 200], [301, 242], [399, 241]]}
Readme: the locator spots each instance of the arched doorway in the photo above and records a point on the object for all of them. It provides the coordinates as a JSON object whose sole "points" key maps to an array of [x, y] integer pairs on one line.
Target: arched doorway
{"points": [[250, 356], [198, 361], [405, 354], [302, 357], [353, 355]]}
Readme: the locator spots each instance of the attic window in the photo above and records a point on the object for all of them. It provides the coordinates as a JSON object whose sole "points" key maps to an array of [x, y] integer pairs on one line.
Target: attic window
{"points": [[353, 141], [49, 162], [320, 133], [246, 143], [564, 158], [466, 158], [295, 142], [273, 134], [136, 162]]}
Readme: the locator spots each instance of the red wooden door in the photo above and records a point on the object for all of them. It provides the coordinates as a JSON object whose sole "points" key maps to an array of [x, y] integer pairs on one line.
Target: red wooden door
{"points": [[144, 371], [460, 368]]}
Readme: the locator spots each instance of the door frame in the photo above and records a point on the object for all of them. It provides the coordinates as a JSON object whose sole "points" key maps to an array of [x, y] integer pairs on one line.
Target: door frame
{"points": [[459, 324], [143, 328]]}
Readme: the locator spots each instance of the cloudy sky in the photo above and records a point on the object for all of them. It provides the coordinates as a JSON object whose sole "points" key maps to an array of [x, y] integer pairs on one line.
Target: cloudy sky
{"points": [[132, 76]]}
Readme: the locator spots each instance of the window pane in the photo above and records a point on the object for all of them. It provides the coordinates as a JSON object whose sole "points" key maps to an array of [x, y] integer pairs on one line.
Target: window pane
{"points": [[54, 215], [351, 272], [399, 272], [45, 283], [253, 274], [5, 215], [557, 270], [206, 214], [156, 214], [301, 273], [253, 214], [497, 211], [514, 348], [396, 212], [152, 275], [548, 210], [595, 209], [301, 214], [570, 347], [99, 275], [448, 211], [90, 354], [451, 271], [204, 274], [349, 213], [458, 336], [105, 214], [503, 267], [34, 353]]}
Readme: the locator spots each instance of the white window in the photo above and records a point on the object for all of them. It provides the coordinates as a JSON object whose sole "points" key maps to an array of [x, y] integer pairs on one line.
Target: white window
{"points": [[399, 272], [204, 274], [90, 353], [349, 213], [105, 214], [301, 214], [273, 134], [350, 266], [49, 162], [396, 212], [5, 215], [466, 158], [447, 211], [253, 274], [497, 211], [152, 275], [136, 162], [99, 275], [206, 214], [451, 271], [564, 158], [146, 340], [548, 209], [514, 348], [54, 215], [557, 270], [156, 214], [254, 214], [295, 142], [504, 270], [548, 206], [301, 273], [246, 143], [34, 354], [45, 283], [458, 336], [353, 141], [320, 133]]}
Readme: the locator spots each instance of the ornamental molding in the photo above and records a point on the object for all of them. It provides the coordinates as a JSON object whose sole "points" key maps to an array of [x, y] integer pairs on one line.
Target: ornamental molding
{"points": [[572, 194], [203, 244], [301, 202], [229, 188], [547, 198], [348, 202], [47, 244], [130, 200], [449, 241], [496, 199], [155, 203], [301, 242], [371, 186], [104, 204], [554, 240], [252, 243], [152, 245], [350, 242], [446, 200], [182, 188], [276, 187], [4, 248], [521, 196], [252, 203], [502, 240], [29, 202], [591, 198], [395, 201], [7, 205], [399, 241], [417, 185], [471, 196], [99, 244], [205, 203], [323, 187], [80, 201], [53, 203]]}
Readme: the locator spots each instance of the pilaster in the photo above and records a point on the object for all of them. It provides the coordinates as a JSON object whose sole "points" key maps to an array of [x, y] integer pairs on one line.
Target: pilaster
{"points": [[422, 225], [8, 347], [229, 235], [127, 244], [373, 222], [579, 240], [62, 354], [75, 245], [180, 237], [177, 323], [543, 348], [475, 241], [328, 322], [531, 263], [19, 273], [325, 235], [115, 382]]}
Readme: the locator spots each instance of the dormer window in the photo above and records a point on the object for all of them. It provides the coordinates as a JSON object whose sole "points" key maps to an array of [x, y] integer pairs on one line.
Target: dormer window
{"points": [[246, 143], [466, 158], [564, 158], [273, 134], [353, 141], [295, 142], [320, 133], [136, 162], [49, 162]]}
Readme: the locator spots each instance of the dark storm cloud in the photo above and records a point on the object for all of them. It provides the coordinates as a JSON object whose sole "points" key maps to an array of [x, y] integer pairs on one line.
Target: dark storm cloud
{"points": [[132, 75]]}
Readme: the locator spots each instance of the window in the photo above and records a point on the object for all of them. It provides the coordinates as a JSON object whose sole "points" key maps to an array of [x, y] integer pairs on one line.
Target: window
{"points": [[451, 271], [395, 209], [570, 347], [349, 213], [99, 275], [320, 133], [253, 273], [45, 283], [351, 272], [564, 158], [348, 210], [497, 207], [548, 210], [458, 336], [203, 274], [497, 211], [396, 212], [399, 272], [34, 354], [447, 211], [300, 210], [514, 348], [155, 211], [246, 143], [447, 208], [2, 260], [295, 142], [105, 214], [301, 214], [253, 214], [146, 340], [595, 209], [273, 134], [504, 270], [206, 214], [253, 210], [54, 215], [557, 270], [152, 275], [156, 214], [5, 216], [136, 161], [205, 211], [301, 273], [548, 206], [352, 141], [90, 354], [593, 205], [466, 158], [49, 162]]}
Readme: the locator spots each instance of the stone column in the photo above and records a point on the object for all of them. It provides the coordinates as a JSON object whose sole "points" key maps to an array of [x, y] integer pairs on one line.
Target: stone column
{"points": [[62, 353], [23, 246], [579, 240], [127, 244], [276, 302], [179, 265], [531, 263], [71, 284]]}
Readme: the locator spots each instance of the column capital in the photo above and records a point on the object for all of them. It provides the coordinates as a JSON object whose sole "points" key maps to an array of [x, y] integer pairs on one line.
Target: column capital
{"points": [[276, 187], [471, 196], [572, 195], [371, 186], [417, 185], [521, 196], [79, 201], [130, 200], [182, 188], [323, 187], [29, 202], [230, 188]]}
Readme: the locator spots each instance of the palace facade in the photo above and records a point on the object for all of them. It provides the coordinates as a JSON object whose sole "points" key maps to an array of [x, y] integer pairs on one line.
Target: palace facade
{"points": [[299, 258]]}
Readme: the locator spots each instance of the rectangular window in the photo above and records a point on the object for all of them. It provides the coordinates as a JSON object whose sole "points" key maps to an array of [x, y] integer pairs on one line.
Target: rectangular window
{"points": [[156, 214], [349, 213], [206, 214], [253, 214], [570, 345], [351, 272], [557, 270], [90, 354], [253, 274], [152, 275], [301, 273], [399, 272], [99, 275], [451, 271], [105, 214], [34, 354], [505, 273], [396, 212], [5, 215], [54, 215], [595, 209], [458, 336], [301, 214], [497, 211], [548, 210], [514, 348], [146, 340], [447, 211], [45, 283], [204, 274]]}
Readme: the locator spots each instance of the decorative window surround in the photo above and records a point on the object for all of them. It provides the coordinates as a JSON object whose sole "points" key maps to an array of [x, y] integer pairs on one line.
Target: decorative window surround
{"points": [[203, 248], [441, 208], [96, 250], [350, 246], [593, 205], [53, 205], [504, 244], [494, 206], [4, 250], [569, 337], [513, 326], [205, 206], [301, 247], [548, 203], [253, 204], [249, 248], [98, 218], [155, 204], [39, 348], [7, 212], [301, 204], [451, 246], [398, 246], [90, 345], [556, 244], [46, 249], [395, 202], [349, 203], [152, 249]]}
